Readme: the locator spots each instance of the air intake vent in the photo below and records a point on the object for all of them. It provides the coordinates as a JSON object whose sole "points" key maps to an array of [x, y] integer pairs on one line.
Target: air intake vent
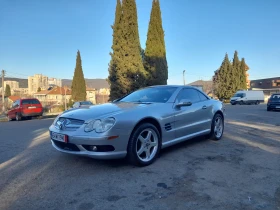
{"points": [[168, 126]]}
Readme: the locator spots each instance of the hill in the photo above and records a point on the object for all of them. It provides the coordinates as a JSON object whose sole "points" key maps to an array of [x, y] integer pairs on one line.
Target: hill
{"points": [[23, 83], [92, 83]]}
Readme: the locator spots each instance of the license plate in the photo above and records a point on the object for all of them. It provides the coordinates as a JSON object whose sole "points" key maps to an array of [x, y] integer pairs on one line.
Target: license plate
{"points": [[58, 137], [32, 107]]}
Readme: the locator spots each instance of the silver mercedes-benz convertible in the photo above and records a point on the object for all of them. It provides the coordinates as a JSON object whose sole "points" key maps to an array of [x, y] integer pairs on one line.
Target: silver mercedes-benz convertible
{"points": [[139, 125]]}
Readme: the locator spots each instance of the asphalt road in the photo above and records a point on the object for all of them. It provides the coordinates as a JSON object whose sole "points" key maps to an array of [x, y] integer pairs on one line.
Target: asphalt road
{"points": [[241, 171]]}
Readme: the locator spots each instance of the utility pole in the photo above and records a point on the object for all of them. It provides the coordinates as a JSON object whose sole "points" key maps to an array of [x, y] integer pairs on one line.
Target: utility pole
{"points": [[3, 93], [184, 77], [65, 89]]}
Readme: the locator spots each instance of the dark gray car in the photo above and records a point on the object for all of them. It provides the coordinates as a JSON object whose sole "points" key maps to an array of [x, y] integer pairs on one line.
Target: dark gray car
{"points": [[138, 125]]}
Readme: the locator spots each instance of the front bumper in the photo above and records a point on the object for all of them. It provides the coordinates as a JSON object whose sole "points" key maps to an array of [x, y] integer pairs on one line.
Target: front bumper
{"points": [[79, 144], [96, 155]]}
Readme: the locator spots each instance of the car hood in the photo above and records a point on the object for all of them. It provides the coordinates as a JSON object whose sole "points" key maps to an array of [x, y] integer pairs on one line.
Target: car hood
{"points": [[101, 111]]}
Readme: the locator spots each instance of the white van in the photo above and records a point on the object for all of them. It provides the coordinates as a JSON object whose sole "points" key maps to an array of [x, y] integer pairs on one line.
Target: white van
{"points": [[247, 97]]}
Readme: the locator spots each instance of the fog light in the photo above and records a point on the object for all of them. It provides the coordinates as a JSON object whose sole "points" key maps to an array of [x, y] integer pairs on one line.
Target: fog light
{"points": [[93, 148]]}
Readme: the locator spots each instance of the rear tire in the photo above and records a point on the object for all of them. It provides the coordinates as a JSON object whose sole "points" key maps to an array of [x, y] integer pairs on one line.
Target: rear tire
{"points": [[144, 145], [257, 103], [18, 117], [217, 127]]}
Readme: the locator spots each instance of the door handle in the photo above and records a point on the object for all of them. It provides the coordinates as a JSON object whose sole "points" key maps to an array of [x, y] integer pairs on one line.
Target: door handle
{"points": [[204, 107]]}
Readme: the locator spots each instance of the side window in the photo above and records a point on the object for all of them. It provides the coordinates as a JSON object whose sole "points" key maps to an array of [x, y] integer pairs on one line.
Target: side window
{"points": [[202, 96], [189, 95]]}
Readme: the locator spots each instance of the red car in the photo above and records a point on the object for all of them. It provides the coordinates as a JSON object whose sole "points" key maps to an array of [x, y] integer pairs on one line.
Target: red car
{"points": [[25, 108]]}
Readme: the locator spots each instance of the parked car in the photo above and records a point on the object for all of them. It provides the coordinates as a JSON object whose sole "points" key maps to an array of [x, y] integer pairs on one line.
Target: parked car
{"points": [[247, 97], [139, 125], [273, 102], [25, 108], [84, 104]]}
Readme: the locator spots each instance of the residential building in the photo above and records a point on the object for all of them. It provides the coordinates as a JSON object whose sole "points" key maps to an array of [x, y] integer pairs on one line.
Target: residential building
{"points": [[267, 85], [55, 82], [37, 81], [103, 91], [12, 84], [56, 95], [19, 91], [91, 95]]}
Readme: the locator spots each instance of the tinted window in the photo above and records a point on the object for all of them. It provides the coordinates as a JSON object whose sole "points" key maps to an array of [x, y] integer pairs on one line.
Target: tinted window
{"points": [[188, 95], [202, 96], [86, 103], [275, 97], [152, 94], [30, 101]]}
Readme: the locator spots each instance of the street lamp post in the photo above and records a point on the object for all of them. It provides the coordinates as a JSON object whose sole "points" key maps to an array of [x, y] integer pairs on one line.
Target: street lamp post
{"points": [[184, 77]]}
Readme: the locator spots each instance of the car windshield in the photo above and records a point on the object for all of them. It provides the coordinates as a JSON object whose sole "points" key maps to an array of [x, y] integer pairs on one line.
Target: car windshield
{"points": [[239, 95], [151, 94], [86, 103]]}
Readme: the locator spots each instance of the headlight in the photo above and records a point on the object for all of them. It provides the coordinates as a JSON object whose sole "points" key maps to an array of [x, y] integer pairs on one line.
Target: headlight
{"points": [[55, 120], [100, 126]]}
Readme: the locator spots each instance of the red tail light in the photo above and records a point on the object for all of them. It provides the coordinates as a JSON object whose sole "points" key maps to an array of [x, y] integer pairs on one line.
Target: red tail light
{"points": [[269, 100]]}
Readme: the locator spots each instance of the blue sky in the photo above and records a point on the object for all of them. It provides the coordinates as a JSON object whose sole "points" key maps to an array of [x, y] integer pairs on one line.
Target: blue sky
{"points": [[44, 36]]}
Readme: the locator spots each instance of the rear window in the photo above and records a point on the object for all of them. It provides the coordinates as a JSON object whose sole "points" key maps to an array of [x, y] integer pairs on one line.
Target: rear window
{"points": [[86, 103], [29, 101], [275, 97]]}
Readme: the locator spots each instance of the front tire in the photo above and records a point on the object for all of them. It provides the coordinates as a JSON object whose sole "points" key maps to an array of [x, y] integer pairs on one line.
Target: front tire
{"points": [[217, 127], [144, 145], [268, 109], [8, 117]]}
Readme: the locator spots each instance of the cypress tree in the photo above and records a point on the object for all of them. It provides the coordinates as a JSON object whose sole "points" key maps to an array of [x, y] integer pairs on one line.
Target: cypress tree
{"points": [[132, 72], [243, 77], [78, 83], [223, 80], [8, 91], [236, 72], [115, 79], [155, 54]]}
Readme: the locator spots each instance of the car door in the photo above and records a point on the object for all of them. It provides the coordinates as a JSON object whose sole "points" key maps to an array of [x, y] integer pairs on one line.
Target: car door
{"points": [[12, 113], [206, 111], [190, 119]]}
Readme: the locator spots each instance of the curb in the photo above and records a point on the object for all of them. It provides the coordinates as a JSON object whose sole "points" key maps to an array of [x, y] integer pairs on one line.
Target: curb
{"points": [[4, 119]]}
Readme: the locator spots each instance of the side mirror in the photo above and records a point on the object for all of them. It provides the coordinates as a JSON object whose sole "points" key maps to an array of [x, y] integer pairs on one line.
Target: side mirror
{"points": [[184, 103]]}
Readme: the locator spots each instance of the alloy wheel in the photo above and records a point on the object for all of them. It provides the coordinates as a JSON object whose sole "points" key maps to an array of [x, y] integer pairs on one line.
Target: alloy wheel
{"points": [[147, 145], [219, 126]]}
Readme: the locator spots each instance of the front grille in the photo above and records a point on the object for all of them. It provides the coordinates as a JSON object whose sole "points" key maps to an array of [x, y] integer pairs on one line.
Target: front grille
{"points": [[66, 146], [68, 124]]}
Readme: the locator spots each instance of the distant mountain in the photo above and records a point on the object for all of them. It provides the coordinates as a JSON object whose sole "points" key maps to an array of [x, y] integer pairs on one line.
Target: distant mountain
{"points": [[23, 83], [92, 83]]}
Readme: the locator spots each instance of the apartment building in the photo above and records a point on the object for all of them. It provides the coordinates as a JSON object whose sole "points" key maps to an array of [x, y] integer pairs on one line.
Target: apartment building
{"points": [[13, 84], [37, 81], [55, 82]]}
